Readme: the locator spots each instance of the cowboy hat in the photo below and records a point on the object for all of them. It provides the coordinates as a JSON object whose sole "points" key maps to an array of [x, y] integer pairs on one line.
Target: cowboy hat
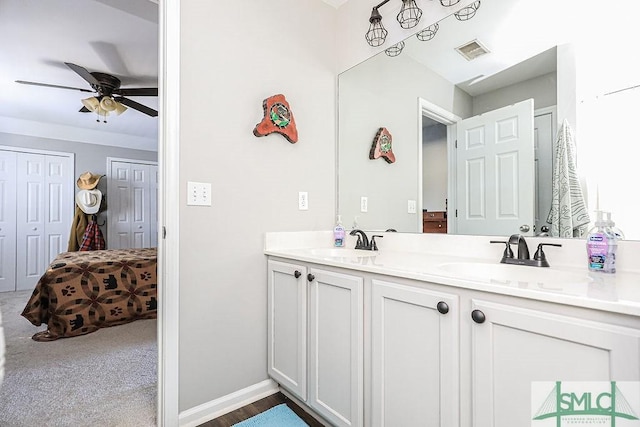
{"points": [[89, 200], [88, 181]]}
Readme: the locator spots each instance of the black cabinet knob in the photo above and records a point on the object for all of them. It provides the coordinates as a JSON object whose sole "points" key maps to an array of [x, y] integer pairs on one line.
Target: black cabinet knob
{"points": [[478, 316], [310, 277], [443, 307], [297, 274]]}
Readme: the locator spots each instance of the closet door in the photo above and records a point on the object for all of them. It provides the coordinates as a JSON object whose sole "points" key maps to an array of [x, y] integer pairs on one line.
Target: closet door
{"points": [[58, 206], [30, 244], [7, 221], [153, 205], [130, 207]]}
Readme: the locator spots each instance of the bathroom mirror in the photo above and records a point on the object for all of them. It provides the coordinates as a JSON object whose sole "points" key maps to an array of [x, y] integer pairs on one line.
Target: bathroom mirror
{"points": [[568, 59]]}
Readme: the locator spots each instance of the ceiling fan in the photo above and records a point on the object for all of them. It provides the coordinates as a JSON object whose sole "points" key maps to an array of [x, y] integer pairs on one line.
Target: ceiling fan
{"points": [[110, 97]]}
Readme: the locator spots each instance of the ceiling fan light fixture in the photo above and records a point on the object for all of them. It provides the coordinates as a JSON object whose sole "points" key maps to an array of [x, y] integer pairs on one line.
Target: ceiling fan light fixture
{"points": [[110, 105], [92, 104]]}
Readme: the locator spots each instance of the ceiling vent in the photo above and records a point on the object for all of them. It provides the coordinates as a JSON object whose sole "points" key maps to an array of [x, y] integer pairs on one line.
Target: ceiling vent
{"points": [[472, 50]]}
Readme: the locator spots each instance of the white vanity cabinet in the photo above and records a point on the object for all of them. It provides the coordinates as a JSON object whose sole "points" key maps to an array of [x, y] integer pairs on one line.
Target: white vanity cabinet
{"points": [[511, 344], [414, 356], [315, 345]]}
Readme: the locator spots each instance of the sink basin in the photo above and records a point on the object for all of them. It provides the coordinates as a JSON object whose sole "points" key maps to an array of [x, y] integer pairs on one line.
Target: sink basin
{"points": [[512, 273], [341, 253]]}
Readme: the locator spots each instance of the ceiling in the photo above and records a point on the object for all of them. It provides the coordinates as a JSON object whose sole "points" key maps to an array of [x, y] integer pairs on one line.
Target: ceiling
{"points": [[118, 37]]}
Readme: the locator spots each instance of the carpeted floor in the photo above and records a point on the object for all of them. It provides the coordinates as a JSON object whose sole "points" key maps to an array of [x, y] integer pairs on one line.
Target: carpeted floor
{"points": [[106, 378]]}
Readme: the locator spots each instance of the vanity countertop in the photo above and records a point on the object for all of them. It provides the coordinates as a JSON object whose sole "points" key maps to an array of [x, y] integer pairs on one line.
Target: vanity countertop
{"points": [[576, 286]]}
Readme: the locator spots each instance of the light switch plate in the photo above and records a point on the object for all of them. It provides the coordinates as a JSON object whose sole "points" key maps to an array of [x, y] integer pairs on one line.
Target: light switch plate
{"points": [[198, 193], [364, 204], [303, 201], [411, 206]]}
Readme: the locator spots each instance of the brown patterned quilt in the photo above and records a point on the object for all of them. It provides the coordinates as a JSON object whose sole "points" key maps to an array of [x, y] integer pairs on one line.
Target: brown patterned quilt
{"points": [[82, 292]]}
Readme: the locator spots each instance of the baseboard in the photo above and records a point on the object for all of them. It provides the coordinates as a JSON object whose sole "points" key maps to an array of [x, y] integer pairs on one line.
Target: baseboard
{"points": [[213, 409]]}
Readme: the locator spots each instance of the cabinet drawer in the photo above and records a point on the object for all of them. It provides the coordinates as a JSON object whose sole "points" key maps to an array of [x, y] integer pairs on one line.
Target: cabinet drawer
{"points": [[431, 215], [434, 226]]}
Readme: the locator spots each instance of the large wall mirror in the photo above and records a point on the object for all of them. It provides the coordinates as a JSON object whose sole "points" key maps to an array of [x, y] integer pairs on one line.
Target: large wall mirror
{"points": [[476, 141]]}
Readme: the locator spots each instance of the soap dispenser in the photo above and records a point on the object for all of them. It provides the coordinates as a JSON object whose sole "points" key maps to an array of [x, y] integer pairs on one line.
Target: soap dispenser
{"points": [[338, 233], [601, 247]]}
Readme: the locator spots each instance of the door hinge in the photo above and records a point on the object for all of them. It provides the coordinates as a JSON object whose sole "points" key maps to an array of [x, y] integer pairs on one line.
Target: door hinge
{"points": [[456, 144], [456, 213], [164, 232]]}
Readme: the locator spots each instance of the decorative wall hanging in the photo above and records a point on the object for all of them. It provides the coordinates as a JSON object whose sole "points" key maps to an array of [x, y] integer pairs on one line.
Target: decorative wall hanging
{"points": [[381, 146], [277, 118]]}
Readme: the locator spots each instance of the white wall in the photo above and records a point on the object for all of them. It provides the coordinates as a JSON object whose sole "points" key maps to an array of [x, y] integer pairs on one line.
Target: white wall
{"points": [[233, 56], [542, 89]]}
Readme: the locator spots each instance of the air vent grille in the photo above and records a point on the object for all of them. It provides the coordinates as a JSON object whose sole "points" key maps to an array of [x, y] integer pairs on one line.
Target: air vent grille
{"points": [[472, 50]]}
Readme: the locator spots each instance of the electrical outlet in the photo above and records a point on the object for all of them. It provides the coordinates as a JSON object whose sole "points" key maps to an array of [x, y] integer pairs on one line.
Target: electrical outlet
{"points": [[303, 201], [198, 193], [411, 206], [364, 204]]}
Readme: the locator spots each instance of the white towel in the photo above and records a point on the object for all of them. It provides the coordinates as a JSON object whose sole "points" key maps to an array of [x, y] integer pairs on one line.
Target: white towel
{"points": [[568, 216]]}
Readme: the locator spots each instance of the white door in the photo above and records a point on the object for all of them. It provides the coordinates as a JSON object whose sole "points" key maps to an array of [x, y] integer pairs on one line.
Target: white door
{"points": [[515, 346], [414, 356], [30, 245], [7, 221], [287, 326], [495, 172], [132, 191], [336, 347], [59, 205]]}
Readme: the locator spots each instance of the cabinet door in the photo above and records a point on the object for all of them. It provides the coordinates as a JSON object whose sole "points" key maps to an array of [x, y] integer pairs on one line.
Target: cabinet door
{"points": [[414, 358], [336, 347], [515, 346], [287, 324]]}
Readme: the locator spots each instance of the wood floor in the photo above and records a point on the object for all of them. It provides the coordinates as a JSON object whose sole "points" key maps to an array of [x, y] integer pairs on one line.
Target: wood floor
{"points": [[257, 407]]}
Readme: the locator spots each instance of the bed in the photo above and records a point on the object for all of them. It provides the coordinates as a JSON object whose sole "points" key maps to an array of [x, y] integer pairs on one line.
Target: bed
{"points": [[82, 292]]}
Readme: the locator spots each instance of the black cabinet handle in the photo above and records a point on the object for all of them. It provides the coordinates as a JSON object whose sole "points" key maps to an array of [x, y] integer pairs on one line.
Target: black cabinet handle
{"points": [[297, 274], [478, 316], [310, 277], [443, 307]]}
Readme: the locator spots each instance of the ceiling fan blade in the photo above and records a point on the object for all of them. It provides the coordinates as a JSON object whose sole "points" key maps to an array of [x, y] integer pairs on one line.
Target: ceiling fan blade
{"points": [[82, 72], [84, 110], [137, 106], [56, 86], [137, 91]]}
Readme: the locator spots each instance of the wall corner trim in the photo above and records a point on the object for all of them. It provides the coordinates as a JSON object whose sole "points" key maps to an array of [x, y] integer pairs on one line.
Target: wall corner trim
{"points": [[225, 404]]}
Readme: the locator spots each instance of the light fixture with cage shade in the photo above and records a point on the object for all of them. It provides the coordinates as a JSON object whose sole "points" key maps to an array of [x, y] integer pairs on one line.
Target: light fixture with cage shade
{"points": [[409, 14], [448, 3], [468, 12], [428, 33], [394, 50], [377, 34]]}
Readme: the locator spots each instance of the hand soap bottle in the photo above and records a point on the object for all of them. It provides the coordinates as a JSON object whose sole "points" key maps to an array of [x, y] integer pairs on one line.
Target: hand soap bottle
{"points": [[338, 234], [601, 247]]}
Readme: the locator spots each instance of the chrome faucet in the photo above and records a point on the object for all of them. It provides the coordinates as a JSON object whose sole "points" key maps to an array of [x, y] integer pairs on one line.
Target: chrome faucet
{"points": [[522, 257]]}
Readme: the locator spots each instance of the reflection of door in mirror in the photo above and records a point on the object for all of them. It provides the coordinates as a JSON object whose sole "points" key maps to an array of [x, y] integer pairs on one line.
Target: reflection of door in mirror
{"points": [[482, 207]]}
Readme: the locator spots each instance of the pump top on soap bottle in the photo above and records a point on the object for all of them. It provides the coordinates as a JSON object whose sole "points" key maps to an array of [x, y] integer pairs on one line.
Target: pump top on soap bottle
{"points": [[338, 233], [612, 226]]}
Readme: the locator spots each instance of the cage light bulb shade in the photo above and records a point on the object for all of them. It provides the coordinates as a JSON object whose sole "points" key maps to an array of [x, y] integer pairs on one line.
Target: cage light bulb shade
{"points": [[377, 34], [468, 12], [409, 15], [394, 50], [92, 104]]}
